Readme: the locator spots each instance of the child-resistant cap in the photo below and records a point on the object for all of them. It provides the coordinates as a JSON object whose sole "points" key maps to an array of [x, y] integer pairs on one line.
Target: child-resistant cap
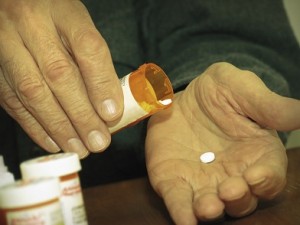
{"points": [[55, 165], [29, 193]]}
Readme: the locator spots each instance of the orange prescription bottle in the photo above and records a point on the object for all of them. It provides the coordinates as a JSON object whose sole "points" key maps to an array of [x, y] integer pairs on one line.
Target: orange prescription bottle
{"points": [[146, 91], [34, 202], [65, 166]]}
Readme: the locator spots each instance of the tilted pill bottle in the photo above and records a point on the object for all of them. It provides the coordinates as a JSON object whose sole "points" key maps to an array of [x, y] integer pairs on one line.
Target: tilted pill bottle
{"points": [[65, 166], [31, 202], [146, 91]]}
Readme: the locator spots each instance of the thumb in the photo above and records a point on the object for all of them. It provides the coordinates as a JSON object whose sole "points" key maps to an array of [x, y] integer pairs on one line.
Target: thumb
{"points": [[271, 110]]}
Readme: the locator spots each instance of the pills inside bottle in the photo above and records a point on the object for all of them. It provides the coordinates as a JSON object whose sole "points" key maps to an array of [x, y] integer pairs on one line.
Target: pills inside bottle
{"points": [[146, 91]]}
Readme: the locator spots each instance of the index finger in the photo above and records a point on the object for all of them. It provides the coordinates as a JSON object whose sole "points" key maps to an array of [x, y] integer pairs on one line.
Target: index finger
{"points": [[94, 60], [178, 198]]}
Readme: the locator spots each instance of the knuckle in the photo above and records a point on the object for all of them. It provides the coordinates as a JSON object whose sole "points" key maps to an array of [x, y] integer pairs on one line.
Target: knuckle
{"points": [[59, 70], [89, 38], [58, 127], [24, 11], [30, 89], [12, 103], [91, 45], [16, 109], [83, 118], [216, 65], [248, 73], [103, 86], [15, 10], [220, 67]]}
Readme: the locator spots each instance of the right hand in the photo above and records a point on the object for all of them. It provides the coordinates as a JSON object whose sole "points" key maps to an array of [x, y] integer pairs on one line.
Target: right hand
{"points": [[232, 113], [57, 79]]}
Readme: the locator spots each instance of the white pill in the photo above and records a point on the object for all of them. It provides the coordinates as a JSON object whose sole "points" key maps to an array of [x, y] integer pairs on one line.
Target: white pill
{"points": [[207, 157], [166, 101]]}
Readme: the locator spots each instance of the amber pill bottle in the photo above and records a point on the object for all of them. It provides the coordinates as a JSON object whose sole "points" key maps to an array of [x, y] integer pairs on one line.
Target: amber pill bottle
{"points": [[64, 166], [146, 91]]}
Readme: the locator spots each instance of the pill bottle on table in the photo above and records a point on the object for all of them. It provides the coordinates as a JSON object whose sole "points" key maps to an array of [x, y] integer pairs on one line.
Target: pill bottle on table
{"points": [[6, 177], [146, 91], [65, 166], [31, 202]]}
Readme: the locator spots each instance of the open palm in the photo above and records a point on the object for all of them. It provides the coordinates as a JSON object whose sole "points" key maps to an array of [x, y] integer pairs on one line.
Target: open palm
{"points": [[229, 112]]}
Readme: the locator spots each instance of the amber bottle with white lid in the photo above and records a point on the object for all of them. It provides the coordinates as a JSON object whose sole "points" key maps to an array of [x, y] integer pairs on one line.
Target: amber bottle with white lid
{"points": [[31, 202], [146, 91], [65, 166]]}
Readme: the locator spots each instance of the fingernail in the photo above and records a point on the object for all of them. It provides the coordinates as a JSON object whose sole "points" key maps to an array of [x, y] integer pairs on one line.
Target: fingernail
{"points": [[109, 107], [52, 146], [75, 145], [83, 156], [97, 140]]}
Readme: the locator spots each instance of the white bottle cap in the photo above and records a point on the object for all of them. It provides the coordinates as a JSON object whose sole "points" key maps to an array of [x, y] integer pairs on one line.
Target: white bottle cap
{"points": [[3, 168], [24, 193], [55, 165], [6, 178]]}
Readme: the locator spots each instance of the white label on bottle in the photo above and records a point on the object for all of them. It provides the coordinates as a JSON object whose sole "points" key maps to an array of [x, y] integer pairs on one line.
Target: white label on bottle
{"points": [[43, 215], [132, 110], [72, 202]]}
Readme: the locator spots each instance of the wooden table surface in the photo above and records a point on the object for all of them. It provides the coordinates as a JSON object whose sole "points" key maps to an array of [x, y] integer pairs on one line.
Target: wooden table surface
{"points": [[133, 202]]}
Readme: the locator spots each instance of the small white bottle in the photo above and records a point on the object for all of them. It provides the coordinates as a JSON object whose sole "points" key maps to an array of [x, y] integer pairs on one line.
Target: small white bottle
{"points": [[31, 202], [64, 166], [6, 177]]}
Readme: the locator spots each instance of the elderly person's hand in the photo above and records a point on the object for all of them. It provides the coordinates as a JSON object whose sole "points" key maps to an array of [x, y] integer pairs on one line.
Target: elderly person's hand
{"points": [[232, 113], [57, 79]]}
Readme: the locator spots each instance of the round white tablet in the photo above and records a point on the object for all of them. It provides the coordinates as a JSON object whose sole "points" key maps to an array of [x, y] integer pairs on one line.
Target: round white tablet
{"points": [[167, 101], [207, 157]]}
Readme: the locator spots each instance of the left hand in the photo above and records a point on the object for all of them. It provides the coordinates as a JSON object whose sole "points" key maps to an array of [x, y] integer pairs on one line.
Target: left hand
{"points": [[233, 114], [57, 78]]}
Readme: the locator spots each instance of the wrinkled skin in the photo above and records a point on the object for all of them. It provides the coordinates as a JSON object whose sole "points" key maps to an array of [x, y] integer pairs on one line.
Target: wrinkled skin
{"points": [[232, 113], [57, 79], [58, 82]]}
